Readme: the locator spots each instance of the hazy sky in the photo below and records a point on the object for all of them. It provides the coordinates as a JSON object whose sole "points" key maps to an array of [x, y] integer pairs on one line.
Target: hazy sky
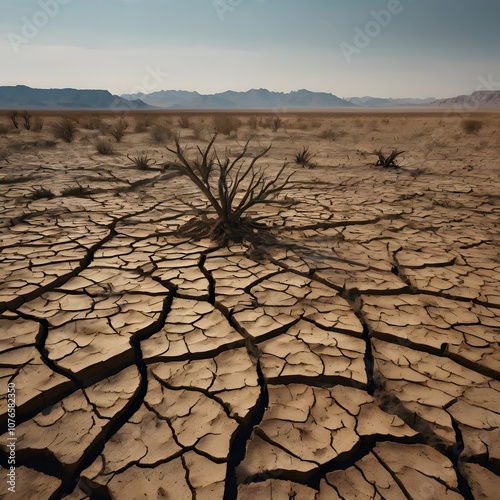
{"points": [[422, 48]]}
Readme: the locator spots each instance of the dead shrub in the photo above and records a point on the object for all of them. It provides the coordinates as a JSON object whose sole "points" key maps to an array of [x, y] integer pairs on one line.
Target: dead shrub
{"points": [[104, 147], [38, 123], [184, 122], [64, 130], [27, 120], [472, 127], [231, 188], [12, 116], [226, 124], [119, 130], [160, 134], [332, 135]]}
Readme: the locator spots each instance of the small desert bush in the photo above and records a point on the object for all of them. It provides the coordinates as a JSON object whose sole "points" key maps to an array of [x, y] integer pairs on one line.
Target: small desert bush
{"points": [[142, 125], [332, 135], [472, 126], [77, 191], [160, 134], [142, 161], [253, 122], [3, 129], [37, 124], [387, 161], [273, 123], [315, 123], [118, 130], [104, 147], [199, 131], [184, 122], [12, 116], [226, 124], [302, 124], [64, 130], [304, 157], [27, 120], [40, 193], [93, 122]]}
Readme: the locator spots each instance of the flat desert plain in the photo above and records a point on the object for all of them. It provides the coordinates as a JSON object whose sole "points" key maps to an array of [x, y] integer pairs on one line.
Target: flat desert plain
{"points": [[349, 350]]}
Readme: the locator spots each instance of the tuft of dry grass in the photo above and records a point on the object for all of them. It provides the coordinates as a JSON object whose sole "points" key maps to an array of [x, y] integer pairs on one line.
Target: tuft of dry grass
{"points": [[65, 130], [104, 147], [184, 121], [118, 130], [160, 134], [304, 157], [77, 191], [41, 193], [332, 135], [142, 161], [38, 123], [387, 161], [12, 116], [27, 120]]}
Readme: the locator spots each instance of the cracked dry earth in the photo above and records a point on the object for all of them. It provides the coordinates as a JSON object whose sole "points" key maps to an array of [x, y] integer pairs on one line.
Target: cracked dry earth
{"points": [[359, 358]]}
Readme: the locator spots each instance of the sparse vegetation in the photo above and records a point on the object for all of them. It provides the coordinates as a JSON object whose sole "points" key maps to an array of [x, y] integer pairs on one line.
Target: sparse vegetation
{"points": [[27, 120], [37, 124], [226, 124], [142, 125], [118, 130], [199, 131], [253, 122], [387, 161], [65, 130], [184, 122], [304, 157], [472, 126], [77, 191], [276, 123], [231, 188], [12, 115], [41, 193], [332, 135], [104, 147], [160, 134], [94, 122], [142, 161]]}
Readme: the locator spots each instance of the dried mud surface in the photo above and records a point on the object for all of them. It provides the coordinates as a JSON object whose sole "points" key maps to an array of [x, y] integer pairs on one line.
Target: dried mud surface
{"points": [[357, 357]]}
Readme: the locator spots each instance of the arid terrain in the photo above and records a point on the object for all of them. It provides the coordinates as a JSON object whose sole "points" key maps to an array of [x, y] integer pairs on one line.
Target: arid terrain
{"points": [[353, 353]]}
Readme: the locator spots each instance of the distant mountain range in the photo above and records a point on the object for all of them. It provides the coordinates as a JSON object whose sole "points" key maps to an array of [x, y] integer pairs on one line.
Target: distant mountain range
{"points": [[23, 97], [381, 102], [252, 99], [480, 99]]}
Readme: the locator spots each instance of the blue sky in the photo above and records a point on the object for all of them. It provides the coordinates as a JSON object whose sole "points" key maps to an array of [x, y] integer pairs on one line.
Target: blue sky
{"points": [[384, 48]]}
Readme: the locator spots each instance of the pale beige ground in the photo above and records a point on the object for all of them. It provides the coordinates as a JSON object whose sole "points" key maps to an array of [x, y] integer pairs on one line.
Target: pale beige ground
{"points": [[358, 357]]}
